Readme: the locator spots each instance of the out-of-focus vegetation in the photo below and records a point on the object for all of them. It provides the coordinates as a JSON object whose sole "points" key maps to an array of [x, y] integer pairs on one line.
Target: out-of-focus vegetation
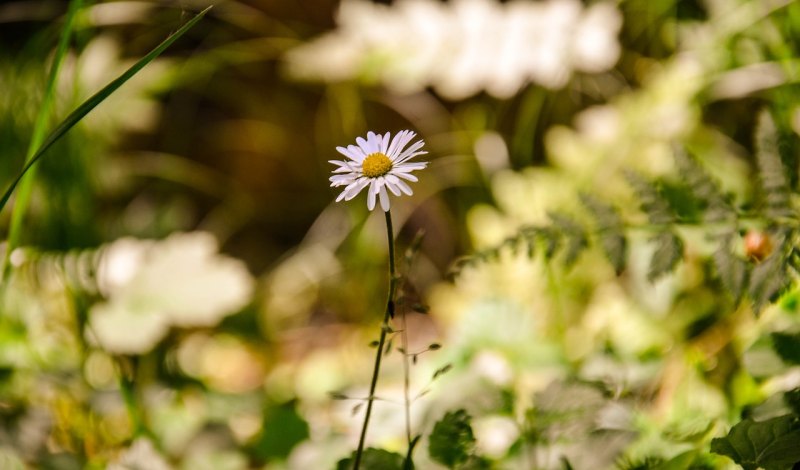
{"points": [[606, 275]]}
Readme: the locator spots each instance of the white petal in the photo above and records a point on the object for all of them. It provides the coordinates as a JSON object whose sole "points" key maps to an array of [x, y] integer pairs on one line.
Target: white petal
{"points": [[384, 199], [404, 187], [405, 155], [347, 153], [367, 146], [371, 195], [409, 166], [393, 188], [357, 152], [355, 188], [385, 143], [399, 141], [406, 176], [374, 140], [341, 180]]}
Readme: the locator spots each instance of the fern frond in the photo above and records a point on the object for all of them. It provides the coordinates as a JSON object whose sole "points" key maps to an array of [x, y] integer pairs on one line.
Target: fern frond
{"points": [[651, 201], [610, 230], [716, 206], [772, 174], [574, 235], [731, 270], [769, 277], [669, 251]]}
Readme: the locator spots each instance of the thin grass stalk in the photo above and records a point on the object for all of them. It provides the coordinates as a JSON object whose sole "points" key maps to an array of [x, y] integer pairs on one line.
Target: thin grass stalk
{"points": [[39, 127], [406, 378], [388, 314]]}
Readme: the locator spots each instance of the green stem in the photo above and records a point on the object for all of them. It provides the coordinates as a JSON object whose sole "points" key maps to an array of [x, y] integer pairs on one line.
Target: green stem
{"points": [[388, 314], [128, 393], [39, 127], [406, 378]]}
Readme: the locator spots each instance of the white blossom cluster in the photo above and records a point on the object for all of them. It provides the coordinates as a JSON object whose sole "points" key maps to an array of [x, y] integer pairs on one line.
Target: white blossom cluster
{"points": [[151, 286], [463, 47]]}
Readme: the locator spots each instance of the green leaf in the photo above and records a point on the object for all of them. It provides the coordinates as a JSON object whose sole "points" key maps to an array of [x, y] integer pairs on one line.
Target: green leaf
{"points": [[772, 172], [452, 441], [373, 459], [283, 428], [717, 208], [651, 201], [792, 400], [669, 251], [95, 100], [610, 230], [787, 346], [773, 444], [731, 269]]}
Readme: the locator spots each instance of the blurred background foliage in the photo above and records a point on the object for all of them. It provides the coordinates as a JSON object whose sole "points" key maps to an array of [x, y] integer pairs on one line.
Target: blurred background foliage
{"points": [[187, 294]]}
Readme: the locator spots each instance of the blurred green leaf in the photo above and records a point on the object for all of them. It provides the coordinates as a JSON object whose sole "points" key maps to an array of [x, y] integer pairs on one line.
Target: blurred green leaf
{"points": [[792, 400], [452, 441], [374, 459], [283, 428], [787, 346], [772, 444]]}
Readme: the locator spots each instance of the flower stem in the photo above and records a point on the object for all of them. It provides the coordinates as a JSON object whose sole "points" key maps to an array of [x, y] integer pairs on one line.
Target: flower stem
{"points": [[388, 314]]}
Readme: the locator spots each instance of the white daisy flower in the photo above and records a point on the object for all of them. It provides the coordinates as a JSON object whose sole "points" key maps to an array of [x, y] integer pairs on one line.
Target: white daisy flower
{"points": [[378, 164]]}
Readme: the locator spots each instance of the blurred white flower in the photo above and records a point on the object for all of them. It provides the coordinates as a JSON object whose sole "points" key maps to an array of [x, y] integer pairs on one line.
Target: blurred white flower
{"points": [[464, 46], [379, 164], [152, 285], [495, 435], [141, 455]]}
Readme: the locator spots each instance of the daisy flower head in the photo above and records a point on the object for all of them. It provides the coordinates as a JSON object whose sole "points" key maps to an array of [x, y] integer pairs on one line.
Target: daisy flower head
{"points": [[377, 163]]}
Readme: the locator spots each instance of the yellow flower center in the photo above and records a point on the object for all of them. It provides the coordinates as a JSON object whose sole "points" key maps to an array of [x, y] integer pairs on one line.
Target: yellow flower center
{"points": [[375, 165]]}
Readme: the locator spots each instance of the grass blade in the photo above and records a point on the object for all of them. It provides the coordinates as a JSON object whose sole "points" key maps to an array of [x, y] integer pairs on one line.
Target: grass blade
{"points": [[96, 99], [25, 185]]}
